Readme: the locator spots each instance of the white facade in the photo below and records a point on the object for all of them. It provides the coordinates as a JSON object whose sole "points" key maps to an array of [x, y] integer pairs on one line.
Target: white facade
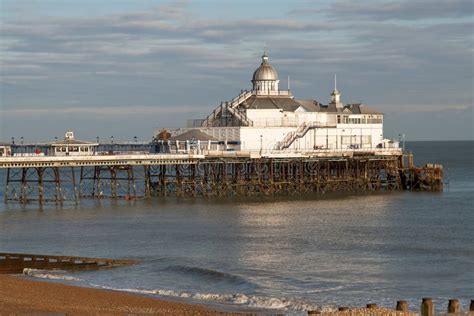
{"points": [[269, 120], [5, 150], [72, 147], [324, 132]]}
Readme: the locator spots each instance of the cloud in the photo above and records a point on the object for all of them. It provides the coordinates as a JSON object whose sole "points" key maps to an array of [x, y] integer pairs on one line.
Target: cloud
{"points": [[402, 53], [402, 10], [427, 108], [99, 111]]}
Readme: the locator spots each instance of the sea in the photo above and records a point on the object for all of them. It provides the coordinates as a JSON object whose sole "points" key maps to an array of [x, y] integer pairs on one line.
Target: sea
{"points": [[271, 254]]}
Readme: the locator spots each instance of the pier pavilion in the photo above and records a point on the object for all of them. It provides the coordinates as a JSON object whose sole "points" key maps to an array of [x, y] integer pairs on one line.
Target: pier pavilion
{"points": [[69, 146], [267, 120]]}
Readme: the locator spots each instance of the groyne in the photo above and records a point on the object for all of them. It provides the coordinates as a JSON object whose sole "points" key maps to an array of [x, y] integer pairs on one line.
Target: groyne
{"points": [[15, 263]]}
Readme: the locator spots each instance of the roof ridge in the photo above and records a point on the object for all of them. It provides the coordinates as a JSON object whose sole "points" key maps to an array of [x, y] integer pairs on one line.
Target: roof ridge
{"points": [[274, 103]]}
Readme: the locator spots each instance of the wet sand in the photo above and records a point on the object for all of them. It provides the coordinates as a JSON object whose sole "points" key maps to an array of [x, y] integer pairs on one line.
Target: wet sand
{"points": [[20, 296]]}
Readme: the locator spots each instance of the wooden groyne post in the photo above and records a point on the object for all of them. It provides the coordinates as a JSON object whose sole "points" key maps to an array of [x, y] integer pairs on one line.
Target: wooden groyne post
{"points": [[402, 306], [453, 306], [427, 307], [401, 309]]}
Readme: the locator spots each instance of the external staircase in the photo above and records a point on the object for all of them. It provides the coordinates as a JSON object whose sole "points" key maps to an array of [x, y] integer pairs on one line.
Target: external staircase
{"points": [[232, 108], [299, 133]]}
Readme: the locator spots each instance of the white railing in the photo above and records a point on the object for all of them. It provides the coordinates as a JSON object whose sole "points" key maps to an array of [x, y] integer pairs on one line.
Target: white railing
{"points": [[279, 92]]}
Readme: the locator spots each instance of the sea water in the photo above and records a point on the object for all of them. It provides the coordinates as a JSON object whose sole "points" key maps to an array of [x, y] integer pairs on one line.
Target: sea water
{"points": [[273, 253]]}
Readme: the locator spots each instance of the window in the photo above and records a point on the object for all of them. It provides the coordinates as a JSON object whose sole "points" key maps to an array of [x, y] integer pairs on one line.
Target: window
{"points": [[346, 140]]}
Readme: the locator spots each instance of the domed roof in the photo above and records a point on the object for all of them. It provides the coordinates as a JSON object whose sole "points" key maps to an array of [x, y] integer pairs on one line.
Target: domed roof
{"points": [[265, 71]]}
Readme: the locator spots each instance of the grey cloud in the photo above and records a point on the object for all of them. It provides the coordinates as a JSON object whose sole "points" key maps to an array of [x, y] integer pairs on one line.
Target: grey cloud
{"points": [[402, 10], [150, 58]]}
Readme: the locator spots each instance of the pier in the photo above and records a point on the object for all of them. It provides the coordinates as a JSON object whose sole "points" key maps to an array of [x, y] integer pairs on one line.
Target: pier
{"points": [[213, 173]]}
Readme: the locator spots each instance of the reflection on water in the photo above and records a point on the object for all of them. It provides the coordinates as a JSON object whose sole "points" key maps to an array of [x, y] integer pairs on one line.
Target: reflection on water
{"points": [[269, 252]]}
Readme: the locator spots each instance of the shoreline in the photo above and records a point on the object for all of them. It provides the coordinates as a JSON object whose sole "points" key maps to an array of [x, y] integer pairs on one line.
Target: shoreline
{"points": [[19, 296]]}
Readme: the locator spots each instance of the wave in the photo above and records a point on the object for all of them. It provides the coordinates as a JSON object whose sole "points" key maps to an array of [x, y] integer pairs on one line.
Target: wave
{"points": [[209, 274], [48, 274], [253, 301]]}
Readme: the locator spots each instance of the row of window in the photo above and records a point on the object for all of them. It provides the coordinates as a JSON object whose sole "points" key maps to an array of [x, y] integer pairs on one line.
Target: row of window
{"points": [[72, 149], [356, 139]]}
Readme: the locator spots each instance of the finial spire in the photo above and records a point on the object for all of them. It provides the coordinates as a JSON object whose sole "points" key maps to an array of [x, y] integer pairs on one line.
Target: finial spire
{"points": [[335, 95], [264, 56], [288, 83]]}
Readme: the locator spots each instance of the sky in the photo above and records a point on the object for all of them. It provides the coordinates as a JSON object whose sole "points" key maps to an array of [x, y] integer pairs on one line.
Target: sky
{"points": [[125, 67]]}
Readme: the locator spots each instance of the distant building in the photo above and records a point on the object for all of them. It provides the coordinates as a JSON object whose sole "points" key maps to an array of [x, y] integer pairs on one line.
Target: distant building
{"points": [[5, 150], [267, 119], [70, 146]]}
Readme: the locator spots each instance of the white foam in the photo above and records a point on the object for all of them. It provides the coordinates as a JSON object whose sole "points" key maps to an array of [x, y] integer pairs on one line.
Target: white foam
{"points": [[47, 274], [237, 299]]}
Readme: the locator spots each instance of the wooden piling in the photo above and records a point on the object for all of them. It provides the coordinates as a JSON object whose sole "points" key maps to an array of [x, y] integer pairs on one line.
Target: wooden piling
{"points": [[427, 307], [402, 306], [453, 306], [219, 177], [343, 309], [471, 307], [371, 306]]}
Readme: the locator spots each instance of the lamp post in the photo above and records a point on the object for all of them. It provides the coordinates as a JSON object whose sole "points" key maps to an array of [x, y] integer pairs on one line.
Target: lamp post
{"points": [[403, 139], [21, 140], [97, 139], [261, 144], [13, 140]]}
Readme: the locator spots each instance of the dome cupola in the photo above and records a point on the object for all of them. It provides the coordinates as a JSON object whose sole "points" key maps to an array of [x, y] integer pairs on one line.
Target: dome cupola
{"points": [[265, 78]]}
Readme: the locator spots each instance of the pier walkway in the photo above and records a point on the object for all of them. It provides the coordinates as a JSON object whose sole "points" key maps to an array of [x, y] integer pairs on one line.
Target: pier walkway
{"points": [[96, 160], [212, 173], [36, 161]]}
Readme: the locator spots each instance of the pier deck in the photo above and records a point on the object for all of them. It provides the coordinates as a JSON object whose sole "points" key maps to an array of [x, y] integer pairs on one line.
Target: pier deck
{"points": [[131, 176]]}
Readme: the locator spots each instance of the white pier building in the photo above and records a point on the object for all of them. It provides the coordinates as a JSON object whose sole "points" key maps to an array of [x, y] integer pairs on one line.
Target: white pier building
{"points": [[269, 120], [70, 146]]}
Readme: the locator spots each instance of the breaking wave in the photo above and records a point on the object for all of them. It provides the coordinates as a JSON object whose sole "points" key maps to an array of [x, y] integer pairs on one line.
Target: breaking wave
{"points": [[209, 274], [48, 274], [235, 299]]}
